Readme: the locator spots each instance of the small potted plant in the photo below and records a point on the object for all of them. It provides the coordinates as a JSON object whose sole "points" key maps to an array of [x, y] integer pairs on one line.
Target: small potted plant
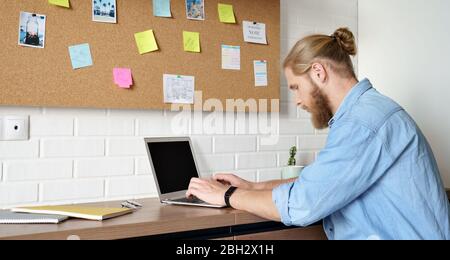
{"points": [[291, 170]]}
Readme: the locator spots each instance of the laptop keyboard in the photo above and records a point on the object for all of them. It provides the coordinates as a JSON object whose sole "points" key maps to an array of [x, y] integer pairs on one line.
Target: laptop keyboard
{"points": [[190, 200]]}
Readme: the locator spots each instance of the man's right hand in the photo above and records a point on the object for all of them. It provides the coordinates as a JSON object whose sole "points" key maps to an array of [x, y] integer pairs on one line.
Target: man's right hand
{"points": [[233, 180]]}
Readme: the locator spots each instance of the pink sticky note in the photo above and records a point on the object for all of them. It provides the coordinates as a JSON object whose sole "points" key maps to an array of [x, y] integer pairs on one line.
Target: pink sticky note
{"points": [[122, 77]]}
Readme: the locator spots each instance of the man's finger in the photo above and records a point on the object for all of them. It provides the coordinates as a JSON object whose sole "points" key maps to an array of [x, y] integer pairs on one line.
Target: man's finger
{"points": [[194, 185], [191, 192], [197, 180], [223, 177], [194, 180]]}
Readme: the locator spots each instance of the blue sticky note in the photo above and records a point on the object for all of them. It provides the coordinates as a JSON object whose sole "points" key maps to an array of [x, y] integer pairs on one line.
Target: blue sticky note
{"points": [[161, 8], [80, 55]]}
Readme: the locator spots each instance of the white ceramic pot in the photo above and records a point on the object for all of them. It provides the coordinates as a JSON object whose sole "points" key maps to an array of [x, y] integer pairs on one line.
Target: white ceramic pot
{"points": [[291, 172]]}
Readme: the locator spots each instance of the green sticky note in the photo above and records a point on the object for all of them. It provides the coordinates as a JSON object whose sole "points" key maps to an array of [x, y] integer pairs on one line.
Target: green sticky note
{"points": [[226, 13], [63, 3], [146, 41], [191, 41]]}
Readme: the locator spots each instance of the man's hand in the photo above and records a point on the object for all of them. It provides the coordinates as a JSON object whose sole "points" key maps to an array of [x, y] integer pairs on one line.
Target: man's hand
{"points": [[233, 180], [210, 191], [258, 202]]}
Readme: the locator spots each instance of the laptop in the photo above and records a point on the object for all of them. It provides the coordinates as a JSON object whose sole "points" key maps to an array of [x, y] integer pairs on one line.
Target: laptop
{"points": [[173, 164]]}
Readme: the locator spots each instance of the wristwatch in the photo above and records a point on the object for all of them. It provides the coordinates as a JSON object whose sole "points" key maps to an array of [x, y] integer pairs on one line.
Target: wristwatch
{"points": [[228, 194]]}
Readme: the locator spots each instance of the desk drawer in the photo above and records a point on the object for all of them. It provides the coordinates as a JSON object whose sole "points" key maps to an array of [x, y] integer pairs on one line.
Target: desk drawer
{"points": [[310, 233]]}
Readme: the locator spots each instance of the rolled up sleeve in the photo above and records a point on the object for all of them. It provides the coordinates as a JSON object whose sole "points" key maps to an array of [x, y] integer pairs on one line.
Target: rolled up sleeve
{"points": [[280, 197], [348, 166]]}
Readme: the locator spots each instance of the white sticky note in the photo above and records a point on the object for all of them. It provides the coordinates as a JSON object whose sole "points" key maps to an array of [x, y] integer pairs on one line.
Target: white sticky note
{"points": [[260, 67], [255, 32], [231, 57], [179, 89]]}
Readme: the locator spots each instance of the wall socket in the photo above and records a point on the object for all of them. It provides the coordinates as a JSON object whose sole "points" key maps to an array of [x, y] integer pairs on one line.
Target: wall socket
{"points": [[14, 128]]}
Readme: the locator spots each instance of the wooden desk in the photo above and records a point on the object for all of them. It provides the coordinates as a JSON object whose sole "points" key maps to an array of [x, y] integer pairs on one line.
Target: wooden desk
{"points": [[157, 221]]}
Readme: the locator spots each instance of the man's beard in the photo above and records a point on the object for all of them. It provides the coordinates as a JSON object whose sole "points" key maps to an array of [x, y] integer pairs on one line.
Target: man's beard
{"points": [[321, 109]]}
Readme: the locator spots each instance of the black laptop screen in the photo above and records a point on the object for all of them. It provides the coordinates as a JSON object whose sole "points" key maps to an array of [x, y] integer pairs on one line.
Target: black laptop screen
{"points": [[174, 165]]}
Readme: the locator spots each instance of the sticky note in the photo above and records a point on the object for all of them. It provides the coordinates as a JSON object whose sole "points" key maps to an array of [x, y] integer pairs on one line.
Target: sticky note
{"points": [[146, 42], [161, 8], [80, 55], [122, 77], [63, 3], [191, 41], [226, 14]]}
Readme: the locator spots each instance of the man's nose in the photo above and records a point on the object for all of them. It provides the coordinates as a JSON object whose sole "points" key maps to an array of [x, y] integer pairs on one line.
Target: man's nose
{"points": [[299, 102]]}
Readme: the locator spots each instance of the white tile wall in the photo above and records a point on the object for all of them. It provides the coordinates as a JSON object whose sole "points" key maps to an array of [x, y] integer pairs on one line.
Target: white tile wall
{"points": [[72, 190], [80, 155], [35, 170]]}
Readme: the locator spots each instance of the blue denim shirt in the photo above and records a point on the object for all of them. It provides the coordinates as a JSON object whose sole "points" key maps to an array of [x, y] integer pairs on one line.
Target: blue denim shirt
{"points": [[377, 177]]}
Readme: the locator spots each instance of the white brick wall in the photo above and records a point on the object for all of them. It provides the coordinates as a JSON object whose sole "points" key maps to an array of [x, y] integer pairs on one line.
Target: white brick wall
{"points": [[72, 190], [72, 147], [36, 170], [80, 155], [134, 186], [86, 168], [25, 149], [234, 144]]}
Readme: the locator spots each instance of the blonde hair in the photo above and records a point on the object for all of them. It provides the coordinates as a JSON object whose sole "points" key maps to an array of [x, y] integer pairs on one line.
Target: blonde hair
{"points": [[335, 50]]}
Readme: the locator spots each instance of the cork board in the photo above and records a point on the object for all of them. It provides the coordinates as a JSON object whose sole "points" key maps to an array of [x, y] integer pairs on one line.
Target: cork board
{"points": [[44, 77]]}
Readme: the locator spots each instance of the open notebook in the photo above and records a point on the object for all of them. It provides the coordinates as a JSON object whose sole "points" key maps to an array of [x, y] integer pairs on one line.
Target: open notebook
{"points": [[89, 213], [8, 217]]}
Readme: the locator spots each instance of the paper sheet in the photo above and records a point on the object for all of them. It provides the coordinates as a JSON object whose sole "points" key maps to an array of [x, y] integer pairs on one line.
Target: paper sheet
{"points": [[146, 42], [63, 3], [226, 13], [80, 56], [123, 77], [191, 41], [255, 32], [179, 89], [260, 68], [231, 57], [161, 8]]}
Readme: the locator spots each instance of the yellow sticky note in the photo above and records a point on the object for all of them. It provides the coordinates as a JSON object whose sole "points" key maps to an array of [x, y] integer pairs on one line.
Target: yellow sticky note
{"points": [[226, 13], [191, 41], [146, 41], [63, 3]]}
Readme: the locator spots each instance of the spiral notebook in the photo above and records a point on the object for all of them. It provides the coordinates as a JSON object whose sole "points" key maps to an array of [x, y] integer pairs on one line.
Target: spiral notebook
{"points": [[8, 217]]}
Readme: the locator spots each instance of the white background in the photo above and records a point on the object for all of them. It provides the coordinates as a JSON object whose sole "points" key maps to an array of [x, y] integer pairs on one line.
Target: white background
{"points": [[405, 51]]}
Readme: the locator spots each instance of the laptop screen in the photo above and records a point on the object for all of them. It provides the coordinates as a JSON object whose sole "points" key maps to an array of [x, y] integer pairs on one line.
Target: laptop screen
{"points": [[174, 165]]}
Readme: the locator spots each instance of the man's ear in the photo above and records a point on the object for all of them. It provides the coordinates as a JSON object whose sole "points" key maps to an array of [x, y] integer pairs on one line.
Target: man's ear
{"points": [[319, 74]]}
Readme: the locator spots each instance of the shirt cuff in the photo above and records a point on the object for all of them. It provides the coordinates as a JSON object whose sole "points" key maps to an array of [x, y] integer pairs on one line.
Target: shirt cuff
{"points": [[280, 197]]}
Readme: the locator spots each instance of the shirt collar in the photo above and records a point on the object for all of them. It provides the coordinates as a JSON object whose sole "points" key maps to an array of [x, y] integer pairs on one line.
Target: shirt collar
{"points": [[355, 93]]}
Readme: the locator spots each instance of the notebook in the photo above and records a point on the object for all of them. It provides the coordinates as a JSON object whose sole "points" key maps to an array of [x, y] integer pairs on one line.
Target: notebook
{"points": [[89, 213], [8, 217]]}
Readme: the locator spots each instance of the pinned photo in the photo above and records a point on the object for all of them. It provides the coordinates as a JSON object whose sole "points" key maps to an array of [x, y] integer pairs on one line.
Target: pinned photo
{"points": [[104, 11], [32, 30], [195, 9]]}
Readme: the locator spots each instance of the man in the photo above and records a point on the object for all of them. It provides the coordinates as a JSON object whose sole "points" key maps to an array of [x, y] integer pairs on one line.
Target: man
{"points": [[376, 178]]}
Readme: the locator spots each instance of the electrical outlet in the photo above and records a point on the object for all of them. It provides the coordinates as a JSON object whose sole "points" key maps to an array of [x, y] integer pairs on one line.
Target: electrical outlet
{"points": [[15, 128]]}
